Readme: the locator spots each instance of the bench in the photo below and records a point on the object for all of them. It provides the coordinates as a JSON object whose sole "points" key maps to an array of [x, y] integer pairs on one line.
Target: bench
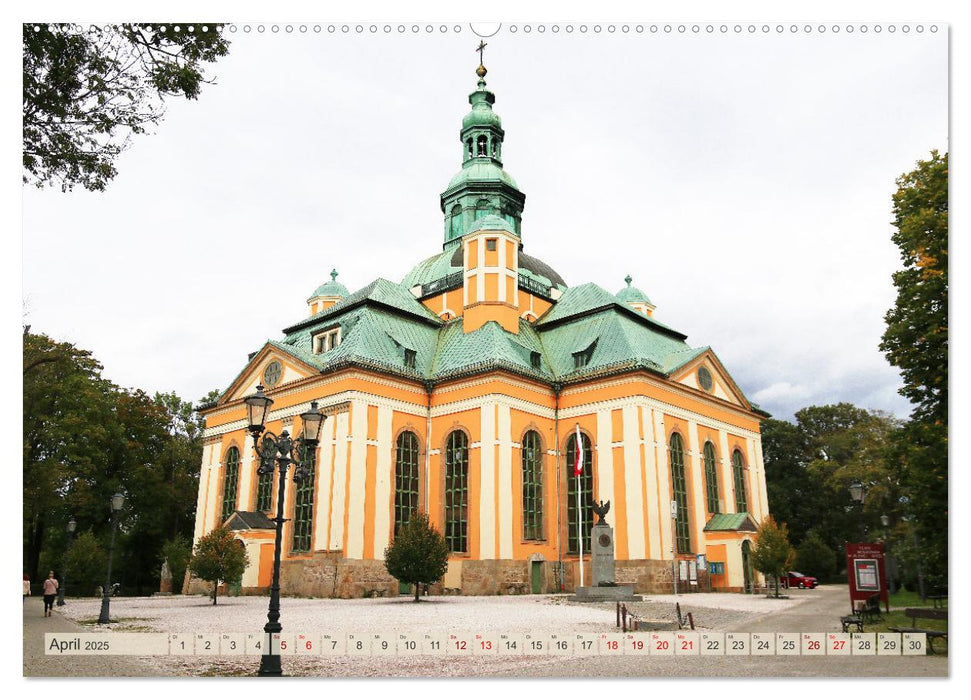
{"points": [[924, 614], [852, 620], [939, 600], [870, 610]]}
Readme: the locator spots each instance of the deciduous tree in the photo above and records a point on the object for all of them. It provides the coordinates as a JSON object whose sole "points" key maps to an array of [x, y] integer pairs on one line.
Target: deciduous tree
{"points": [[218, 556], [88, 90], [772, 554], [418, 554]]}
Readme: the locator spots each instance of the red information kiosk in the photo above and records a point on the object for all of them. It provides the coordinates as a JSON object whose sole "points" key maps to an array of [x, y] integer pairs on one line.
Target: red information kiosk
{"points": [[865, 569]]}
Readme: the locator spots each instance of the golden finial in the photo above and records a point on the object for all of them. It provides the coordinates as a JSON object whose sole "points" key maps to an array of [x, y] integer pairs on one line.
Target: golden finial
{"points": [[481, 70]]}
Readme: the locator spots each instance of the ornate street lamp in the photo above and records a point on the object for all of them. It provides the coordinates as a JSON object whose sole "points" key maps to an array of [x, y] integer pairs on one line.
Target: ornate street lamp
{"points": [[117, 501], [858, 494], [280, 451], [72, 525]]}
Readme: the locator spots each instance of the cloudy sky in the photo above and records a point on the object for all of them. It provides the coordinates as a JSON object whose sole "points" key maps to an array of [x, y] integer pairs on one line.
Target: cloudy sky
{"points": [[742, 178]]}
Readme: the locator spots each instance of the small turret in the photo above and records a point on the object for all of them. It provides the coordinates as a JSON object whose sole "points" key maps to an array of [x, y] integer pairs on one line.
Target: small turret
{"points": [[635, 298], [327, 294]]}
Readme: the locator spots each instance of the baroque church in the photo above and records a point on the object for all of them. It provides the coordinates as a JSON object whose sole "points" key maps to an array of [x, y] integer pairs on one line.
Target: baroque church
{"points": [[469, 389]]}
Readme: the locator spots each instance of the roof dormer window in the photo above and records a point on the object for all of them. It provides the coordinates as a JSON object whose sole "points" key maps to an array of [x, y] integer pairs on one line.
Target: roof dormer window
{"points": [[582, 358], [326, 340], [411, 358]]}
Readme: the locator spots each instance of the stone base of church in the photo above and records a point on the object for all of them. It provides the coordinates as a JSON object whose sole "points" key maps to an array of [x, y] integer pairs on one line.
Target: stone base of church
{"points": [[328, 575]]}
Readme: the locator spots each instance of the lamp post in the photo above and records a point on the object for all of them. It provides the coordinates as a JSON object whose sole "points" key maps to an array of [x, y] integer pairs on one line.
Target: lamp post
{"points": [[891, 568], [280, 451], [72, 525], [858, 494], [117, 501]]}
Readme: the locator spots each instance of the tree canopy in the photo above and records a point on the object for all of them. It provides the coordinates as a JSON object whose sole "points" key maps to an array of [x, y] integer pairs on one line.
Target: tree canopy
{"points": [[88, 90], [772, 554], [916, 341], [86, 439], [418, 554], [218, 556]]}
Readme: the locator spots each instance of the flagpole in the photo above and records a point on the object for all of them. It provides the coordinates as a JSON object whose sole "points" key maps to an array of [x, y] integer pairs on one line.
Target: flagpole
{"points": [[577, 468], [580, 528]]}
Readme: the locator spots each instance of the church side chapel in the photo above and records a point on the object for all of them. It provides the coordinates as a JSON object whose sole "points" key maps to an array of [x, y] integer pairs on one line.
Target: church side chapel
{"points": [[469, 390]]}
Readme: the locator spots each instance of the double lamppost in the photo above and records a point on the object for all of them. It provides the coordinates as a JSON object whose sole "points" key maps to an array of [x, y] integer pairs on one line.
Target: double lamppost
{"points": [[858, 494], [72, 525], [279, 452], [117, 501]]}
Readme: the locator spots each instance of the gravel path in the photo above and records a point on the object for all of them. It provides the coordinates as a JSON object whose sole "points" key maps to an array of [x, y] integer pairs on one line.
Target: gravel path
{"points": [[803, 611]]}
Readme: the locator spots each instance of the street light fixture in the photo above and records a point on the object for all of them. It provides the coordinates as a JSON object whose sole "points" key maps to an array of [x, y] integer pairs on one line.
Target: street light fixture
{"points": [[280, 451], [72, 525], [117, 501], [858, 494]]}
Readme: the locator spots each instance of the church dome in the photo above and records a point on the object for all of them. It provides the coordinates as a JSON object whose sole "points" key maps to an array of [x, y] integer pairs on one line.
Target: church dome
{"points": [[333, 288], [632, 295], [481, 115], [481, 171], [450, 261]]}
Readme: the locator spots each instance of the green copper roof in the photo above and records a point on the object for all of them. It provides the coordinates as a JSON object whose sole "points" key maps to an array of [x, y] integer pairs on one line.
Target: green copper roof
{"points": [[481, 114], [480, 171], [333, 288], [491, 222], [380, 291], [737, 522], [632, 295]]}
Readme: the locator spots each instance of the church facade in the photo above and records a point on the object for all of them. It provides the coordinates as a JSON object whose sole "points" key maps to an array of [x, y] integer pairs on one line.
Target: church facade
{"points": [[469, 390]]}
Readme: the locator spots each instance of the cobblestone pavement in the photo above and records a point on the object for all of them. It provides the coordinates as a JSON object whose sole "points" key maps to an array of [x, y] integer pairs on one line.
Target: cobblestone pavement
{"points": [[803, 611], [37, 663]]}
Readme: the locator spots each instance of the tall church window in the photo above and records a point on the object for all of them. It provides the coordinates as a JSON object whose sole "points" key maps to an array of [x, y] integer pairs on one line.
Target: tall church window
{"points": [[455, 223], [230, 482], [738, 472], [264, 492], [405, 479], [532, 487], [457, 491], [681, 531], [482, 146], [303, 507], [711, 477], [584, 516]]}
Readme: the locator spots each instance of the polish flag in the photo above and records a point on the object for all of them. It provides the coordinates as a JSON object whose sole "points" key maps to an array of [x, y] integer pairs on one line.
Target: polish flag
{"points": [[578, 461]]}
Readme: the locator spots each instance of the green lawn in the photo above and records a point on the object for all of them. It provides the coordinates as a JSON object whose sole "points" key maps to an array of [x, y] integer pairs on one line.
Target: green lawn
{"points": [[897, 618]]}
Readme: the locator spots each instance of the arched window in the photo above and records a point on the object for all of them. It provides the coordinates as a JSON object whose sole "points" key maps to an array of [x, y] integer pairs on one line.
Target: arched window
{"points": [[469, 144], [457, 491], [264, 491], [455, 222], [482, 208], [738, 473], [532, 487], [578, 522], [230, 482], [711, 477], [405, 479], [681, 531], [482, 146], [303, 506]]}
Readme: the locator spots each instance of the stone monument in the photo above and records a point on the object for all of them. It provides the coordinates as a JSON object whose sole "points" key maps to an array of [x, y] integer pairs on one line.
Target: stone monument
{"points": [[604, 587], [165, 585]]}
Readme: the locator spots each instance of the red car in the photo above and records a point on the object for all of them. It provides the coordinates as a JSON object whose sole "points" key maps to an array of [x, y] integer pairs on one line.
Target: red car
{"points": [[793, 579]]}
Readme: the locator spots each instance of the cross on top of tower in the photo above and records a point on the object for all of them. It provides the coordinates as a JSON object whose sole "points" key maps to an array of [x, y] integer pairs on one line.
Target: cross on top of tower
{"points": [[481, 70]]}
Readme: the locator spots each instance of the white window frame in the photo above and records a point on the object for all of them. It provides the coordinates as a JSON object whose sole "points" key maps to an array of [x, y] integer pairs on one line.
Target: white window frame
{"points": [[326, 340]]}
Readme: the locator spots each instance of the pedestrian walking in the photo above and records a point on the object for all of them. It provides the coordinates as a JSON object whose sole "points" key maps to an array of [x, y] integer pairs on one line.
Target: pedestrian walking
{"points": [[26, 587], [50, 590]]}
